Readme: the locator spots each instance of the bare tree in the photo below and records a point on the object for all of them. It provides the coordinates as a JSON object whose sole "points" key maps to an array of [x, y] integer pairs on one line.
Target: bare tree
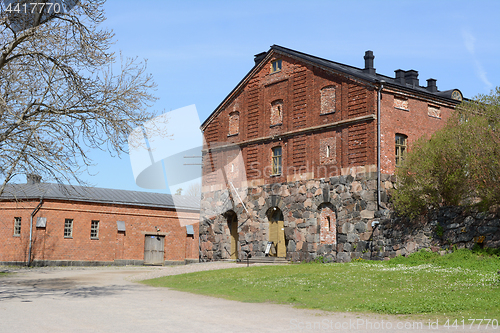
{"points": [[194, 190], [60, 94]]}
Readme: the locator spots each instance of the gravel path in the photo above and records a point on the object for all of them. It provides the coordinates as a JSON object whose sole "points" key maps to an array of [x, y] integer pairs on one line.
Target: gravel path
{"points": [[138, 273], [106, 299]]}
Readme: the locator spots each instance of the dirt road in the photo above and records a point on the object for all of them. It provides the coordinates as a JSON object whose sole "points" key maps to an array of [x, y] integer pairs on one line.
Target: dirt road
{"points": [[107, 300]]}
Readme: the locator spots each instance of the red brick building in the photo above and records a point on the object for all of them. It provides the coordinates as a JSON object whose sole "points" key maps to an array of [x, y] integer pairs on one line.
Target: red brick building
{"points": [[301, 123], [52, 224]]}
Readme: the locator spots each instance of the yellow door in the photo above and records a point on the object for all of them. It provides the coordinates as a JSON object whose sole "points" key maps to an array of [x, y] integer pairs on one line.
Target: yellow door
{"points": [[281, 249], [277, 234], [234, 237]]}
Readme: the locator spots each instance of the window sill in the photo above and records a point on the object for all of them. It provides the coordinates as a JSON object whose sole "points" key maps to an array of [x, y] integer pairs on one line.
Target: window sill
{"points": [[326, 114], [276, 175], [16, 235], [435, 117], [94, 238], [230, 135], [275, 72], [402, 109], [275, 125], [68, 237]]}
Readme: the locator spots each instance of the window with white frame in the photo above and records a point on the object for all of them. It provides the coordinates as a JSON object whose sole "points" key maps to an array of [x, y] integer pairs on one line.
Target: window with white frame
{"points": [[94, 230], [17, 226], [68, 228]]}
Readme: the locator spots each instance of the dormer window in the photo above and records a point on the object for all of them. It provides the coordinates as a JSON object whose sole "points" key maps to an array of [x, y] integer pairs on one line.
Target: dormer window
{"points": [[276, 66]]}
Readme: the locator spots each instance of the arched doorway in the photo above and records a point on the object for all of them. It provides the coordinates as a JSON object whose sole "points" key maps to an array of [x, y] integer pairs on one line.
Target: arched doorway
{"points": [[276, 232], [232, 223]]}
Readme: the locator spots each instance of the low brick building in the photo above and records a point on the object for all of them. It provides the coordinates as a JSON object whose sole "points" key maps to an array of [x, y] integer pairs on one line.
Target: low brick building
{"points": [[53, 224], [317, 143]]}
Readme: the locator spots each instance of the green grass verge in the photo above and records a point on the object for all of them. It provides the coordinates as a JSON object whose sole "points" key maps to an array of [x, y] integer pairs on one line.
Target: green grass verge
{"points": [[457, 285]]}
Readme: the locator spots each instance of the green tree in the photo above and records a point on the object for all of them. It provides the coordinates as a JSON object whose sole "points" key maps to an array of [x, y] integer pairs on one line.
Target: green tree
{"points": [[458, 165]]}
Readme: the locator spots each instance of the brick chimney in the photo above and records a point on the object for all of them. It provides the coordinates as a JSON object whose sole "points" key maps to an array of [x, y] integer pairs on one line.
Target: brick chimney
{"points": [[369, 62]]}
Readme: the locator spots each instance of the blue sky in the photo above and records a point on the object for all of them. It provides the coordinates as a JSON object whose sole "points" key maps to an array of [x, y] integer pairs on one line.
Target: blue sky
{"points": [[198, 51]]}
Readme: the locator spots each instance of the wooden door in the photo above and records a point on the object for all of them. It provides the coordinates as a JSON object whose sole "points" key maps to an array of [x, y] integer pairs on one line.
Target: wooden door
{"points": [[234, 237], [281, 248], [277, 234], [273, 237], [154, 250]]}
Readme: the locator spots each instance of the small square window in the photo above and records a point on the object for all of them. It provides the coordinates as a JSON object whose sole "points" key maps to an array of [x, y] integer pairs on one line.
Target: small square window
{"points": [[94, 230], [17, 226], [276, 66], [68, 228]]}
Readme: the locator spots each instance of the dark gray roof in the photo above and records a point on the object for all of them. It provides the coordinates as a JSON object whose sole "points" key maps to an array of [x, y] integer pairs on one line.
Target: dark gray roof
{"points": [[338, 67], [98, 195], [358, 72]]}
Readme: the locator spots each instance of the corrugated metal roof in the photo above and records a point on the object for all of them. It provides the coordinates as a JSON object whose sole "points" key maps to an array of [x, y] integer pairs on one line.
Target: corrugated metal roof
{"points": [[99, 195]]}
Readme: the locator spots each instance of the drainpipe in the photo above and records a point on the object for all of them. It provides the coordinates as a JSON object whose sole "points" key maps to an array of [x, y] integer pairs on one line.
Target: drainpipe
{"points": [[31, 227], [379, 96]]}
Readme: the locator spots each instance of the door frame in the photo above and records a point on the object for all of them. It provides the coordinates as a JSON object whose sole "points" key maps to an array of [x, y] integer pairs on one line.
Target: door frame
{"points": [[162, 251]]}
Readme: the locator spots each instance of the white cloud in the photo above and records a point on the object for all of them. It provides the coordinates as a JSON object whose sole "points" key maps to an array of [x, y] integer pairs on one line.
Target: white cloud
{"points": [[469, 42], [482, 75]]}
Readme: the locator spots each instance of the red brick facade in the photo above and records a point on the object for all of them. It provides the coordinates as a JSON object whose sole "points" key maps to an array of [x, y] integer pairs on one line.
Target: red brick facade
{"points": [[414, 119], [318, 108], [111, 246], [303, 93], [308, 139]]}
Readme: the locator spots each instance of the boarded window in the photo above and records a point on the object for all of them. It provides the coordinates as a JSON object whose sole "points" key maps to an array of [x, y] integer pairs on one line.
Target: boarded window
{"points": [[434, 111], [277, 112], [401, 146], [234, 123], [17, 226], [327, 100], [276, 161], [328, 151], [401, 103], [94, 230], [68, 228], [328, 226]]}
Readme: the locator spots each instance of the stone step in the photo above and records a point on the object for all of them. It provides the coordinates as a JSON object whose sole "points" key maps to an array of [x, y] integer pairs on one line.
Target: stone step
{"points": [[264, 260]]}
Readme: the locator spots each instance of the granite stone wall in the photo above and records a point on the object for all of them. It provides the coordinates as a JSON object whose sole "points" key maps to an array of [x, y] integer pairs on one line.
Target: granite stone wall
{"points": [[337, 219]]}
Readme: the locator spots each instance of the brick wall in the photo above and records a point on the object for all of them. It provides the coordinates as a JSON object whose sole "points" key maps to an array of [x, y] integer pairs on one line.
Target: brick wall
{"points": [[307, 97], [414, 117], [49, 243]]}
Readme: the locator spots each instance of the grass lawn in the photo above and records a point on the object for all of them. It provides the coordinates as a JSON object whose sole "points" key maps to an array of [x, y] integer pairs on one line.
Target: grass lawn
{"points": [[458, 285]]}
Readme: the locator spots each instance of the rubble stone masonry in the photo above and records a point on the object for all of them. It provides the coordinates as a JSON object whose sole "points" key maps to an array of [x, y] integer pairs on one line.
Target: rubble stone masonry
{"points": [[338, 219]]}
